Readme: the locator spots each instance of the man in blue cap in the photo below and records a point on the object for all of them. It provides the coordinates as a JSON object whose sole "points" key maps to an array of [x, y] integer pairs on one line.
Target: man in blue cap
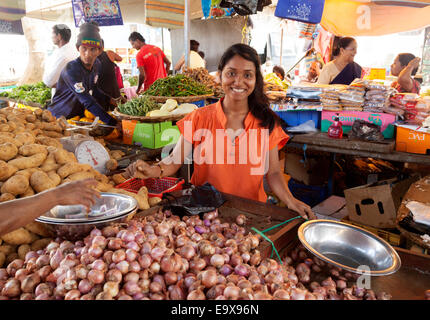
{"points": [[77, 87]]}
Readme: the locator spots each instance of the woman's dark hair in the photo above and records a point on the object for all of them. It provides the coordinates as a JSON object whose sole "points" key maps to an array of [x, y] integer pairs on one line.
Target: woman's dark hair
{"points": [[202, 54], [258, 102], [136, 36], [194, 45], [405, 58], [280, 70], [63, 31], [343, 43]]}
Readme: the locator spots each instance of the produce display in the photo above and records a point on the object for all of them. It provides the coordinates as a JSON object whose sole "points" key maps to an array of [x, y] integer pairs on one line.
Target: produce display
{"points": [[37, 93], [171, 107], [177, 86], [138, 106], [274, 83], [32, 159], [202, 75], [163, 257]]}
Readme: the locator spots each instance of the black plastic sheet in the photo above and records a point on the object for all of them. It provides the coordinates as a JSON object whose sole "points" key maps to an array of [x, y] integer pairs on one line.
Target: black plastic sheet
{"points": [[201, 200], [365, 131]]}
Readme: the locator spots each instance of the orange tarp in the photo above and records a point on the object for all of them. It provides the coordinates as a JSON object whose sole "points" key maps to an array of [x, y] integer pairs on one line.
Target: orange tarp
{"points": [[365, 18]]}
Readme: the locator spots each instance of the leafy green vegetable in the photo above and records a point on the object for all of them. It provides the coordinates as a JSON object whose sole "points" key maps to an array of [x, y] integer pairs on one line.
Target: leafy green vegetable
{"points": [[133, 81], [139, 106], [177, 86], [37, 93]]}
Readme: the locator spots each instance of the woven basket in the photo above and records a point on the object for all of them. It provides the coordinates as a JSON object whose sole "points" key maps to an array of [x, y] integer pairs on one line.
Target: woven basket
{"points": [[160, 99], [123, 116]]}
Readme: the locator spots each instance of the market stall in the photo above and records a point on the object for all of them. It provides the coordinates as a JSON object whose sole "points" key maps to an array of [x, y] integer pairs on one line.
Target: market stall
{"points": [[163, 239]]}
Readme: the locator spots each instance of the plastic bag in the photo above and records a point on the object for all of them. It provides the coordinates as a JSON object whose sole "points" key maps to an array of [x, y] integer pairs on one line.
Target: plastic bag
{"points": [[241, 7], [363, 130], [202, 199]]}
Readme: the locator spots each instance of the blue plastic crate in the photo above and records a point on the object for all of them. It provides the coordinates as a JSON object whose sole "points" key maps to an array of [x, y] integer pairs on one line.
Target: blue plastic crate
{"points": [[295, 118], [311, 195], [200, 103]]}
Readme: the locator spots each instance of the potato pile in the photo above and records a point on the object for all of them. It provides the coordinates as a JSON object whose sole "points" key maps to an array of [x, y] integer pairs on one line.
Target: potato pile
{"points": [[32, 160]]}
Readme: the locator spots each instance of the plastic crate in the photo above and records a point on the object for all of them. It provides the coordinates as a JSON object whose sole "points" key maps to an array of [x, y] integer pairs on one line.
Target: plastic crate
{"points": [[156, 187], [200, 103], [311, 195], [391, 237], [295, 118]]}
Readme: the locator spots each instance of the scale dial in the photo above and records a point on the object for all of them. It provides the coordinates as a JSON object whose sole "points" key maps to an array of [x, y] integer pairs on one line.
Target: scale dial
{"points": [[93, 153]]}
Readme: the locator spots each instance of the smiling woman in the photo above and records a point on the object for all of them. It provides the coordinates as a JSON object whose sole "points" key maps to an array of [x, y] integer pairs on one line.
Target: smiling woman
{"points": [[235, 141]]}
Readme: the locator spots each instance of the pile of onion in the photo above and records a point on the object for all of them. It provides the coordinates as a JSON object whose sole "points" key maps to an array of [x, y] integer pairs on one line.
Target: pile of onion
{"points": [[163, 257]]}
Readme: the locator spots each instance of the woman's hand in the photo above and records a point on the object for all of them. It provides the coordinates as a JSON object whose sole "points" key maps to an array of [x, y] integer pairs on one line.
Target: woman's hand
{"points": [[414, 63], [140, 169], [77, 192], [301, 208]]}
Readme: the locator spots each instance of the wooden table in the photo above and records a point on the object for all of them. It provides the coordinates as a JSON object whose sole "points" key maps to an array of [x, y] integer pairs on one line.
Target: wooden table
{"points": [[409, 283], [319, 141]]}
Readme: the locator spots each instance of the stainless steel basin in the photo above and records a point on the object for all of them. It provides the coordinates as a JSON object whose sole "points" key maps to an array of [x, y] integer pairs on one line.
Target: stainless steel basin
{"points": [[349, 247]]}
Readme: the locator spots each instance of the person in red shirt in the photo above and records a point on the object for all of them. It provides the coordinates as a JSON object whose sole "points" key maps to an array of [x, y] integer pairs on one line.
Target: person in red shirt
{"points": [[150, 61], [405, 66], [235, 142]]}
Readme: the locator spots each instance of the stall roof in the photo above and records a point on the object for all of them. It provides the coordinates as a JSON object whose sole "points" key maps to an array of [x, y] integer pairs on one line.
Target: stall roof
{"points": [[373, 18], [133, 11]]}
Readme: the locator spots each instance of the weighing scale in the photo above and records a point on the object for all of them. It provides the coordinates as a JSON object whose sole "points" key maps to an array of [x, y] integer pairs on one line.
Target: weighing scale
{"points": [[85, 148]]}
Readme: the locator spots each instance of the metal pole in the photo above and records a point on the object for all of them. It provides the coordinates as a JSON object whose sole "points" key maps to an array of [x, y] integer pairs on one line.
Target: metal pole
{"points": [[187, 33], [282, 42]]}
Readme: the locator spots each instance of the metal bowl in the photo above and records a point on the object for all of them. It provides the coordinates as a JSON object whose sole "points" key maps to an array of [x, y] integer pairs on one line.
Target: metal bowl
{"points": [[110, 208], [349, 247]]}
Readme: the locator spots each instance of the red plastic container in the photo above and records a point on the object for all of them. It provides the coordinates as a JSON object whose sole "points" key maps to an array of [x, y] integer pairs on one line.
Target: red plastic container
{"points": [[156, 187]]}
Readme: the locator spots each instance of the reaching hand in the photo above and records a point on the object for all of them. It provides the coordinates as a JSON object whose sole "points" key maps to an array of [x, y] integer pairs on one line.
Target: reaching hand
{"points": [[140, 169], [302, 208], [77, 192]]}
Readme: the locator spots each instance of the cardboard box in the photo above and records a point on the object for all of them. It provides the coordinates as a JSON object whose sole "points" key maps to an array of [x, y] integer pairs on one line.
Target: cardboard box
{"points": [[376, 204], [384, 120], [312, 172], [150, 135], [333, 208], [412, 139]]}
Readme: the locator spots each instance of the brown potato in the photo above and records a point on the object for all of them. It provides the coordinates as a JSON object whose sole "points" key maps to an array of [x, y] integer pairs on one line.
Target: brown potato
{"points": [[40, 244], [15, 185], [30, 192], [27, 172], [111, 164], [100, 177], [71, 168], [51, 134], [55, 178], [10, 257], [2, 259], [63, 156], [142, 202], [103, 187], [116, 154], [154, 201], [8, 139], [81, 176], [8, 151], [51, 126], [39, 229], [118, 178], [40, 181], [6, 170], [31, 117], [143, 193], [49, 164], [32, 149], [6, 197], [23, 250], [28, 162], [7, 248], [5, 128], [47, 141], [18, 236], [47, 116], [25, 138]]}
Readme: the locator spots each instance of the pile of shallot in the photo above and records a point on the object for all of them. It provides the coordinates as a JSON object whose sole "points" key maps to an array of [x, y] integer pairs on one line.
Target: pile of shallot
{"points": [[163, 257]]}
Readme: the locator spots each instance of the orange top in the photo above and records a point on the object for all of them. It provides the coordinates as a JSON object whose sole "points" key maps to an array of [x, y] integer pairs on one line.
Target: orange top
{"points": [[231, 167]]}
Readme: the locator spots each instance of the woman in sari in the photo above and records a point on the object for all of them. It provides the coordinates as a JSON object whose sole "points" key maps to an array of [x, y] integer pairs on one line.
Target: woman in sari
{"points": [[343, 69]]}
